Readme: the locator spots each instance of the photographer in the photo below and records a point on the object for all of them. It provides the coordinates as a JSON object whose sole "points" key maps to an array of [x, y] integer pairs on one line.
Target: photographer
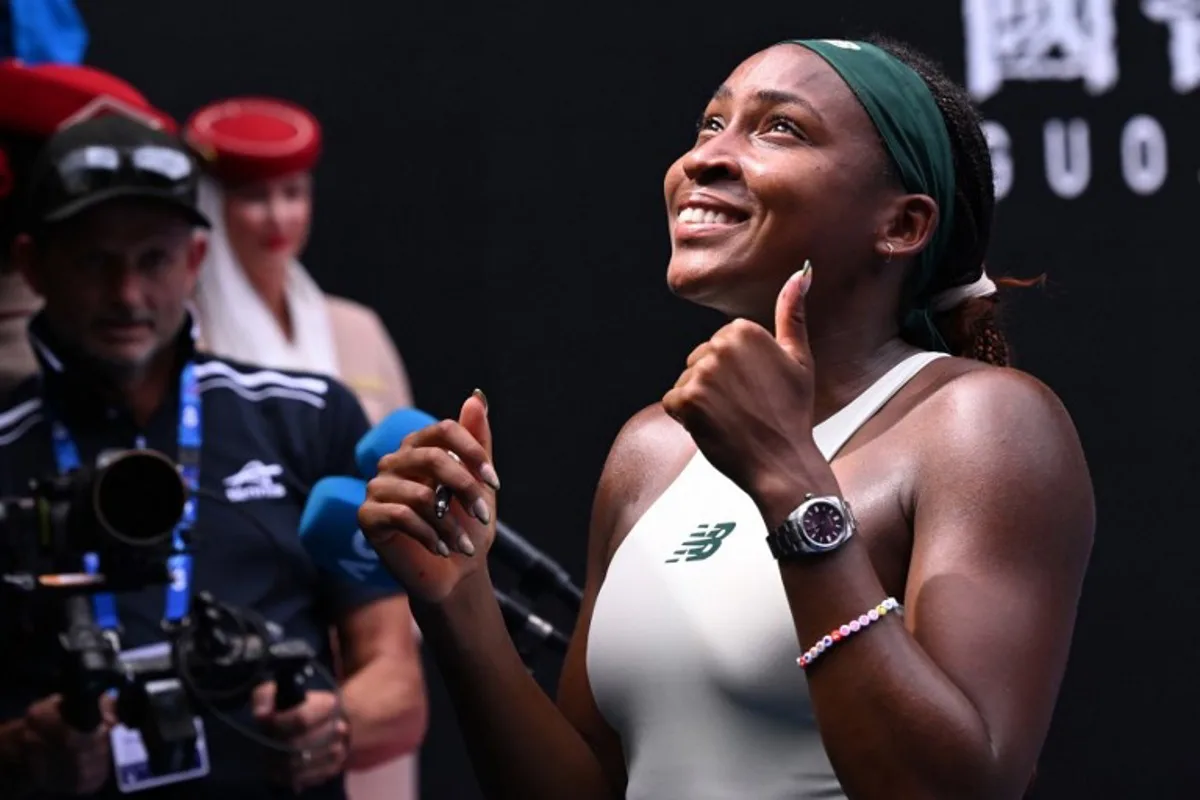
{"points": [[112, 249], [35, 100]]}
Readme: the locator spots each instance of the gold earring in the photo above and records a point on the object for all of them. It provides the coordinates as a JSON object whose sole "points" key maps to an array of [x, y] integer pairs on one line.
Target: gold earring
{"points": [[891, 251]]}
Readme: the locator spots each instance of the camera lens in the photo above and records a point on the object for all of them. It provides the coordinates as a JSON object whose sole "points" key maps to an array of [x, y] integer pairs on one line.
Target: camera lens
{"points": [[139, 497]]}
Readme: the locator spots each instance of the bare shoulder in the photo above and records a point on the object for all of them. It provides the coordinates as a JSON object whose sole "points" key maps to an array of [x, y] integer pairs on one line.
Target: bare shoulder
{"points": [[647, 443], [647, 455], [977, 403], [1004, 439]]}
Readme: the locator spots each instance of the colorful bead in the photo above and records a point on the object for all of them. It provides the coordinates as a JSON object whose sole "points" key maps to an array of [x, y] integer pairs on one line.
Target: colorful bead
{"points": [[849, 629]]}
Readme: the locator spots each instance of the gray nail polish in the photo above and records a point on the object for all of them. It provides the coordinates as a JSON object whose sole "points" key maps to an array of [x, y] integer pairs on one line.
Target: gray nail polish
{"points": [[488, 473], [480, 510]]}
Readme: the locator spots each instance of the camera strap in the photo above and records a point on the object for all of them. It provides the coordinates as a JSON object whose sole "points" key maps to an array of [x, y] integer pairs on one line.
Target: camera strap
{"points": [[179, 565]]}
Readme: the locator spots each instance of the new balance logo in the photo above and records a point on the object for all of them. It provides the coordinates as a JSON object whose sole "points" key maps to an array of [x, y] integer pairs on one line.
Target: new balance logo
{"points": [[255, 481], [703, 543]]}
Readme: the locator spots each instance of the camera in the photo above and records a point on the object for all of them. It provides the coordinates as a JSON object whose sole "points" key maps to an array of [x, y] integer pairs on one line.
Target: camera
{"points": [[111, 529], [122, 513]]}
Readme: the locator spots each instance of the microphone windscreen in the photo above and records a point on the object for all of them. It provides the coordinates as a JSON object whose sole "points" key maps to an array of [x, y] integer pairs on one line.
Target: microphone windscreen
{"points": [[386, 437], [330, 534]]}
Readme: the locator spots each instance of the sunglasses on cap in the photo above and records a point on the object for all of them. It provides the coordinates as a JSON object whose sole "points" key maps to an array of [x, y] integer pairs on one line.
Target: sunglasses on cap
{"points": [[100, 166], [91, 174]]}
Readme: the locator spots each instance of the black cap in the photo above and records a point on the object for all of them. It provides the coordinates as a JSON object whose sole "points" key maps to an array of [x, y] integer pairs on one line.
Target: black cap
{"points": [[110, 157]]}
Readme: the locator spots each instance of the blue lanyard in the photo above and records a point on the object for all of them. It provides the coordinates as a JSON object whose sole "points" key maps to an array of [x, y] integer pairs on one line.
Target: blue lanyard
{"points": [[179, 565]]}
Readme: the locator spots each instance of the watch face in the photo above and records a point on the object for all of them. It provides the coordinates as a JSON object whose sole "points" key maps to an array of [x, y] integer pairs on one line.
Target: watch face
{"points": [[824, 524]]}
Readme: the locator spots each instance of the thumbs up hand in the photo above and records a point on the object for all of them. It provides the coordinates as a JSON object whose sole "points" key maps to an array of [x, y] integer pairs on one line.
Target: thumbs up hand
{"points": [[790, 332], [746, 398]]}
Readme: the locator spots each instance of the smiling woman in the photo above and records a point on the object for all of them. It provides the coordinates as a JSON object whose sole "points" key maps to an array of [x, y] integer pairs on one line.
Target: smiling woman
{"points": [[256, 302], [842, 556], [954, 199]]}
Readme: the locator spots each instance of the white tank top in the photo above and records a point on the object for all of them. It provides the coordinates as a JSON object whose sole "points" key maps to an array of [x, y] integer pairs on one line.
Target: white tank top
{"points": [[692, 649]]}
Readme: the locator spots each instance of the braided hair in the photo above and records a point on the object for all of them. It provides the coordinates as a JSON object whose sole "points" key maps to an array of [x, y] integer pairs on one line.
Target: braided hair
{"points": [[972, 328]]}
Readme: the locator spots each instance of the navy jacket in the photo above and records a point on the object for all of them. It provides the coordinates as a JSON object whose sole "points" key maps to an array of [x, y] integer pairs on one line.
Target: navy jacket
{"points": [[268, 436]]}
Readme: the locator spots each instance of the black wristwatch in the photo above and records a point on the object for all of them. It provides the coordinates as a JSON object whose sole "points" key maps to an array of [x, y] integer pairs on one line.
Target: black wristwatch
{"points": [[818, 525]]}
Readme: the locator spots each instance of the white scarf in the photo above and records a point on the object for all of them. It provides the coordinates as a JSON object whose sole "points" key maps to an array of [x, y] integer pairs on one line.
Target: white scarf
{"points": [[236, 323]]}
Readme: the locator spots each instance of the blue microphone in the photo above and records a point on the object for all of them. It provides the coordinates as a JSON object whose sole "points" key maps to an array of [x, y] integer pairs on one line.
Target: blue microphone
{"points": [[329, 532], [535, 567], [386, 437]]}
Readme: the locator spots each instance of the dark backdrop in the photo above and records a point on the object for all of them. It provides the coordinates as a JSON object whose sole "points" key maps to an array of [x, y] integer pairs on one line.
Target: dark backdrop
{"points": [[492, 186]]}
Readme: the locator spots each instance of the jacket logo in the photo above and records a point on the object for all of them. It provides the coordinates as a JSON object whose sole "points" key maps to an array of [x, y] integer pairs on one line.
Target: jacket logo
{"points": [[255, 481], [703, 543]]}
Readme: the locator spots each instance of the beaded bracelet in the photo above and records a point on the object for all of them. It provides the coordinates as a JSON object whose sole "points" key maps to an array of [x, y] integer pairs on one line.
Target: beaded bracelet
{"points": [[849, 629]]}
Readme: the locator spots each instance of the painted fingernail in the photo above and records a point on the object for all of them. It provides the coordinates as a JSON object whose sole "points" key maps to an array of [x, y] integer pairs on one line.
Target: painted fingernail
{"points": [[488, 473], [443, 549], [479, 509], [805, 277], [482, 398], [465, 545]]}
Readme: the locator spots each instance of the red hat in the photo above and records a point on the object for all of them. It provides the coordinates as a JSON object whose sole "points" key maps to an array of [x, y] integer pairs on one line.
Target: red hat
{"points": [[37, 100], [254, 138]]}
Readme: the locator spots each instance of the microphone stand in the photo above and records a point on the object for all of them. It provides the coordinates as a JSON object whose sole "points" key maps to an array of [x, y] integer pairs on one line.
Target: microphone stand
{"points": [[536, 573], [529, 632]]}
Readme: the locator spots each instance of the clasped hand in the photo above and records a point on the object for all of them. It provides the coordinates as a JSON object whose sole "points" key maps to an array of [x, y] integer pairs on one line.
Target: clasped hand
{"points": [[431, 554]]}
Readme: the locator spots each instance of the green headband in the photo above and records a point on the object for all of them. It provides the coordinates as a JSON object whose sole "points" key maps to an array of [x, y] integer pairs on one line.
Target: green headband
{"points": [[908, 119]]}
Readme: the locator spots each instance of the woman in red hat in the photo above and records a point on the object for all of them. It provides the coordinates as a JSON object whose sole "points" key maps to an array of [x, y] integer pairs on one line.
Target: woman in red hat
{"points": [[35, 101], [255, 301]]}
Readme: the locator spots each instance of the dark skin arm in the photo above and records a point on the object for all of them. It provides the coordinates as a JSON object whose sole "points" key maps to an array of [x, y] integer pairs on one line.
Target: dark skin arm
{"points": [[521, 743], [956, 701]]}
